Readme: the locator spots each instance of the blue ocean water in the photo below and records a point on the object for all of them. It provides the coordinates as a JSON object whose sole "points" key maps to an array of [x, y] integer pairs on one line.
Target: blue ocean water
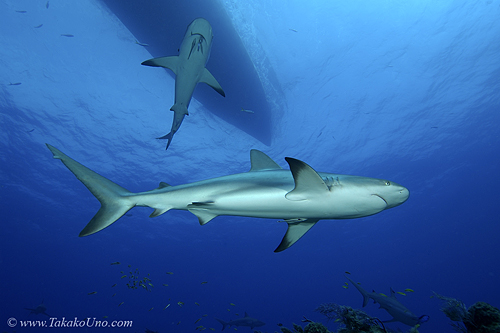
{"points": [[406, 91]]}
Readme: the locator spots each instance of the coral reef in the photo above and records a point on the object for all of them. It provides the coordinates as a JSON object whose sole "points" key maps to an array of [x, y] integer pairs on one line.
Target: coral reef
{"points": [[351, 319], [312, 327], [479, 318]]}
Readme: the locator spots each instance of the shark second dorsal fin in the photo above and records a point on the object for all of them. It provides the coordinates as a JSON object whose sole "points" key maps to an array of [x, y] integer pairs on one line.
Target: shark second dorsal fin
{"points": [[296, 229], [308, 182], [261, 161]]}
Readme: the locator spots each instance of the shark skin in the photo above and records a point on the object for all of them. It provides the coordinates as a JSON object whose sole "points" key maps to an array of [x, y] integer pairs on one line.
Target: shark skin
{"points": [[299, 196], [390, 304], [39, 310], [245, 321], [189, 69]]}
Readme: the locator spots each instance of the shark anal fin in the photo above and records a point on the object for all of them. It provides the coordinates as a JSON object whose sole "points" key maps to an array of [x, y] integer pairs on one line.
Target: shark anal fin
{"points": [[209, 79], [296, 229], [261, 161], [158, 212], [167, 62], [308, 183]]}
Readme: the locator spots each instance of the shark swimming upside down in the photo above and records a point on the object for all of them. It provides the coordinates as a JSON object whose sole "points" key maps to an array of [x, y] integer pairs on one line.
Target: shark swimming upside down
{"points": [[299, 196], [189, 69]]}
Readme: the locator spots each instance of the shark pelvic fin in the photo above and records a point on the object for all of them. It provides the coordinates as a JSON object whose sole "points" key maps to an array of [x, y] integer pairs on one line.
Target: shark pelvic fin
{"points": [[201, 211], [115, 200], [261, 161], [296, 229], [308, 183], [167, 62], [163, 185], [209, 79]]}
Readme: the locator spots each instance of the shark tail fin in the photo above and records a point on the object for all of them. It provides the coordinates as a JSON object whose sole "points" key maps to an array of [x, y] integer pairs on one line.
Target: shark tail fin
{"points": [[115, 200], [363, 292], [224, 324], [180, 111]]}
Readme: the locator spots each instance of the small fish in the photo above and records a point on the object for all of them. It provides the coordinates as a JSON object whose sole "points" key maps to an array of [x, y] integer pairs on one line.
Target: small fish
{"points": [[347, 272], [345, 287], [382, 294], [199, 327], [141, 44], [408, 290], [232, 304], [197, 320], [31, 130], [178, 322], [204, 282], [92, 293], [115, 263], [151, 309], [401, 293], [247, 111], [170, 273], [105, 317], [293, 30], [114, 295], [113, 285], [15, 84], [166, 285], [180, 304], [150, 284], [121, 303], [204, 315], [346, 283], [337, 320], [123, 276], [21, 11], [196, 303], [212, 329], [38, 26], [228, 310], [67, 35], [434, 127], [166, 306], [47, 5]]}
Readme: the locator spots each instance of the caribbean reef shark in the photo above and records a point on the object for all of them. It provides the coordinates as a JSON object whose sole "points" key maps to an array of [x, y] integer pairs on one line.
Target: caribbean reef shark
{"points": [[300, 196], [390, 304], [245, 321], [39, 310], [189, 69]]}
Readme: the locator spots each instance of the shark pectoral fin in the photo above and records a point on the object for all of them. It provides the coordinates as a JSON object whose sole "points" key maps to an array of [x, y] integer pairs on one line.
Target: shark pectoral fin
{"points": [[296, 229], [167, 62], [261, 161], [308, 183], [199, 209], [209, 79]]}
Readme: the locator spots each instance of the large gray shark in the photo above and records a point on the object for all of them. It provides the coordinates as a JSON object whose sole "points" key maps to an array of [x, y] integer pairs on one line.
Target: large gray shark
{"points": [[390, 304], [245, 321], [189, 69], [300, 196], [39, 310]]}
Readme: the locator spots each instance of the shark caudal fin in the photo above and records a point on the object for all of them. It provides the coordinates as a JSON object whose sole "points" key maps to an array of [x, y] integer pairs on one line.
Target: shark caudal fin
{"points": [[224, 324], [115, 200], [180, 111], [366, 296]]}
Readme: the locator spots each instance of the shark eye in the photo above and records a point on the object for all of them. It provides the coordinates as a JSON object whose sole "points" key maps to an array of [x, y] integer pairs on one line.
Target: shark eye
{"points": [[387, 183]]}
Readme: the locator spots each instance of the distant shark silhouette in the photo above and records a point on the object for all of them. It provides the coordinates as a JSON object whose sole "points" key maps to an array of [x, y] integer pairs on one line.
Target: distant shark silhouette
{"points": [[390, 304], [301, 196], [189, 69], [245, 321], [39, 310]]}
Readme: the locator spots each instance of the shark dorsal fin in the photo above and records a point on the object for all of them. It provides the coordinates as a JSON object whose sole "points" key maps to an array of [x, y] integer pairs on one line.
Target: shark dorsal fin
{"points": [[261, 161], [163, 185], [246, 314], [308, 182], [296, 229]]}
